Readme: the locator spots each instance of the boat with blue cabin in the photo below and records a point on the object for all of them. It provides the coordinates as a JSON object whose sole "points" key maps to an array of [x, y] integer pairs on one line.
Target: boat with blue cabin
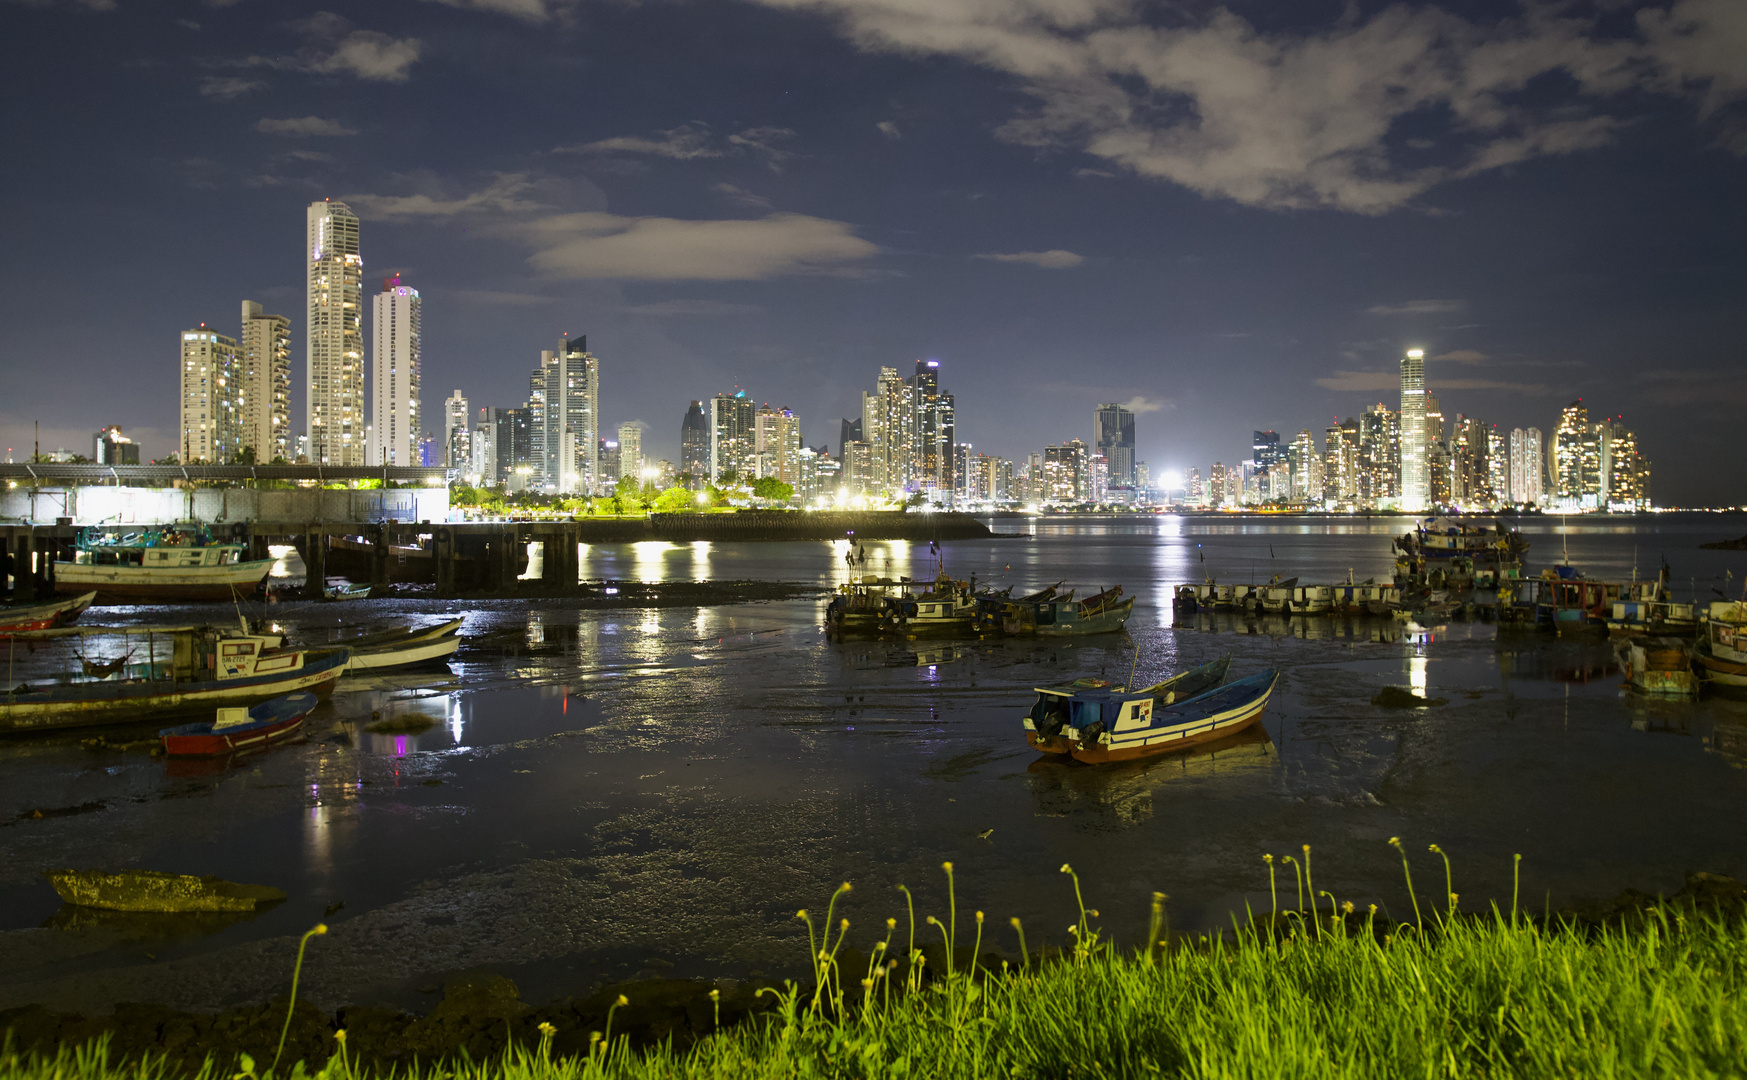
{"points": [[1093, 721]]}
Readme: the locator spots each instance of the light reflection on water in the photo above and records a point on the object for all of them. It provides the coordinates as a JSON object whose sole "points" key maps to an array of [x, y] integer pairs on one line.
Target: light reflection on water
{"points": [[729, 765]]}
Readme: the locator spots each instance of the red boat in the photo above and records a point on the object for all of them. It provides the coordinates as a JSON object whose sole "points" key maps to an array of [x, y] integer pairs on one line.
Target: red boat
{"points": [[22, 620], [240, 729]]}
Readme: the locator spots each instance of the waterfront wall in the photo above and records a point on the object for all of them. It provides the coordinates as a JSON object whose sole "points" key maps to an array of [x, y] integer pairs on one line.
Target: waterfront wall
{"points": [[154, 506]]}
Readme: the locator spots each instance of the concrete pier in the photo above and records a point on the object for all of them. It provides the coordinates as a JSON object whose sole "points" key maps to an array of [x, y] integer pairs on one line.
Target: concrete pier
{"points": [[480, 557]]}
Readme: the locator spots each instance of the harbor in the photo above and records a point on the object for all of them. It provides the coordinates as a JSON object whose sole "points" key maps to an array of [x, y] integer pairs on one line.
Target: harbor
{"points": [[707, 752]]}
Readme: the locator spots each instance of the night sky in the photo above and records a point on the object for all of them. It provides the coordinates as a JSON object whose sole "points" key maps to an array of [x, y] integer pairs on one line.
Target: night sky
{"points": [[1233, 216]]}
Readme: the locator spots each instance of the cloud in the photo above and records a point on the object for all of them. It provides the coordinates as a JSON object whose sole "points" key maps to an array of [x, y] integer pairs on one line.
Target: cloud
{"points": [[504, 195], [302, 127], [534, 11], [1462, 356], [597, 245], [1054, 259], [1368, 381], [769, 142], [228, 87], [704, 308], [501, 299], [683, 143], [741, 196], [1140, 405], [1417, 307], [889, 129], [1323, 118], [337, 49]]}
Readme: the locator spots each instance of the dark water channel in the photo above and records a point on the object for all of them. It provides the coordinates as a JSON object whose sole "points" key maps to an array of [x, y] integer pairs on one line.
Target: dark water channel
{"points": [[614, 793]]}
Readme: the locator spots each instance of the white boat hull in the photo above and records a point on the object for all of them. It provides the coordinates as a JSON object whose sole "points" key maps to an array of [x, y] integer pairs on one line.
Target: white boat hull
{"points": [[150, 584]]}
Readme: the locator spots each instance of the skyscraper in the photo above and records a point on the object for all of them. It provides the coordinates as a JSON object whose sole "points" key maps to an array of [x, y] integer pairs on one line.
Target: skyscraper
{"points": [[334, 411], [211, 421], [1415, 485], [694, 444], [1576, 460], [888, 426], [265, 352], [1306, 466], [732, 437], [1113, 436], [933, 432], [568, 388], [396, 418], [777, 444], [631, 451], [455, 419], [1528, 465]]}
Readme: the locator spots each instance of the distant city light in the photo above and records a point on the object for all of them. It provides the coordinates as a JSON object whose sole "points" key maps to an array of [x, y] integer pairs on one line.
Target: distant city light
{"points": [[1416, 354]]}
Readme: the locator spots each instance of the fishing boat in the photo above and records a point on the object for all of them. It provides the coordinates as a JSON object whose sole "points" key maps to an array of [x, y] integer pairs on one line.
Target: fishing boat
{"points": [[1487, 547], [207, 668], [20, 620], [1661, 666], [1649, 607], [1365, 597], [173, 564], [1096, 724], [404, 647], [1721, 654], [904, 609], [345, 590], [1063, 616], [237, 728], [152, 890], [1311, 600]]}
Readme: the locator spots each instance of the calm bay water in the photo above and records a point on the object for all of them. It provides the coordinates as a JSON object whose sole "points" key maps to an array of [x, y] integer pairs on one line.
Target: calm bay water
{"points": [[605, 794]]}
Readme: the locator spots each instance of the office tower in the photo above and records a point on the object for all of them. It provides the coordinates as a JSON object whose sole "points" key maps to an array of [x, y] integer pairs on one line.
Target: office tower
{"points": [[1113, 436], [568, 388], [1267, 451], [1341, 469], [1528, 467], [776, 444], [455, 449], [396, 417], [1435, 432], [1576, 460], [1066, 473], [631, 451], [607, 460], [732, 447], [849, 432], [1306, 466], [334, 411], [212, 422], [1194, 494], [1415, 491], [1470, 470], [1097, 478], [1437, 476], [888, 426], [694, 444], [110, 447], [932, 432], [858, 467], [536, 409], [265, 351], [1379, 457]]}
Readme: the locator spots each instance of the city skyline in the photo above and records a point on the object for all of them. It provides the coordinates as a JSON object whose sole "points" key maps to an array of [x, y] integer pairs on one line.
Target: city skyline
{"points": [[1578, 243]]}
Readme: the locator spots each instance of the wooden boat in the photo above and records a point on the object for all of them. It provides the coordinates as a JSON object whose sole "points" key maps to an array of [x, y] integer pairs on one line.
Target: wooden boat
{"points": [[1648, 607], [345, 590], [20, 620], [1311, 600], [355, 557], [1063, 618], [207, 669], [240, 729], [1658, 665], [168, 565], [903, 609], [151, 890], [1721, 654], [1097, 724], [404, 648]]}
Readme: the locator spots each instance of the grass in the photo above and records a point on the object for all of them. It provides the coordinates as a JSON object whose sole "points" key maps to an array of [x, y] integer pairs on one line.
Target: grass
{"points": [[1318, 989]]}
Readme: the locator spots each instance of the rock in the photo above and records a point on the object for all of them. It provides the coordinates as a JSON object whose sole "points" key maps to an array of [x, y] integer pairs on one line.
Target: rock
{"points": [[1399, 697]]}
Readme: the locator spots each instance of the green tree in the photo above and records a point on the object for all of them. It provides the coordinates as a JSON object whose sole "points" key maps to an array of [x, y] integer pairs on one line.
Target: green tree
{"points": [[676, 500], [628, 496], [245, 456], [771, 489]]}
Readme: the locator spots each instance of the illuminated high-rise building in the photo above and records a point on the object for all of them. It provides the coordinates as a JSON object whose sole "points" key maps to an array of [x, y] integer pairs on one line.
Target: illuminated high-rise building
{"points": [[1113, 436], [568, 390], [1415, 482], [1528, 467], [211, 416], [334, 409], [888, 425], [776, 438], [1576, 460], [1380, 457], [457, 450], [265, 354], [934, 454], [397, 418], [733, 437], [694, 444], [631, 451]]}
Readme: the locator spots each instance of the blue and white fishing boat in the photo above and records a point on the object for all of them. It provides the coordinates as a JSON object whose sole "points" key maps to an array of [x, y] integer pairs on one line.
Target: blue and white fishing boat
{"points": [[237, 728], [1092, 721]]}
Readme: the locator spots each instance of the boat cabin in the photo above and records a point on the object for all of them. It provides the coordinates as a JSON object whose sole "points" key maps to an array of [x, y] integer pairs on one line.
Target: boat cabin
{"points": [[1071, 708]]}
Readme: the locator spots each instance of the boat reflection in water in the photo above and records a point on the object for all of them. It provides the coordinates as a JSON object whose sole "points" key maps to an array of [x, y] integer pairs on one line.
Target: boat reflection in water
{"points": [[1121, 794], [1280, 625]]}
